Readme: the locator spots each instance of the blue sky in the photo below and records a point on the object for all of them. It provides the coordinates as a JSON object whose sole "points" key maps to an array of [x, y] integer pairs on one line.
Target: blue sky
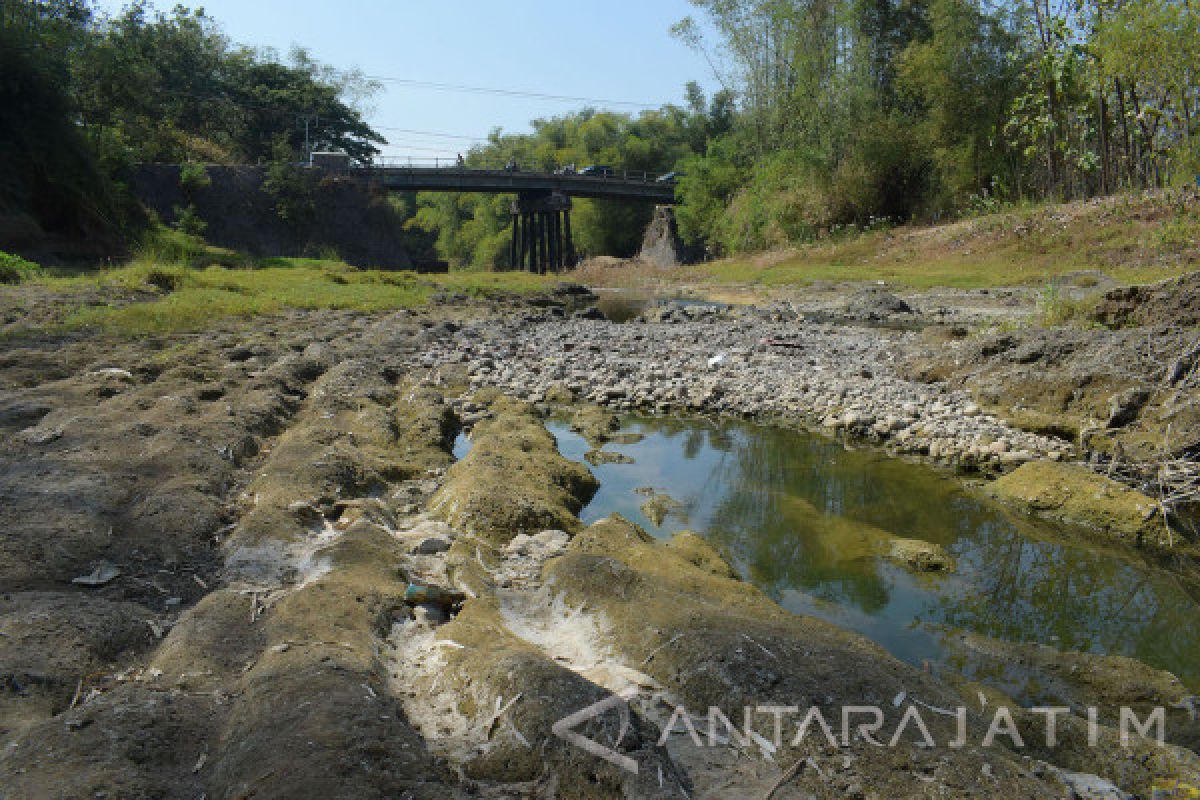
{"points": [[605, 49]]}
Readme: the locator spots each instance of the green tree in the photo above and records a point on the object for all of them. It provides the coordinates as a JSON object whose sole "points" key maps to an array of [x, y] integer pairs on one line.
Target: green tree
{"points": [[1153, 48], [47, 169], [84, 98], [960, 79], [473, 230], [174, 86], [290, 188]]}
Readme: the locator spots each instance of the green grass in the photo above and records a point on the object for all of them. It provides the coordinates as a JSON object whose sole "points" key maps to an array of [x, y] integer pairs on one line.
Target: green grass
{"points": [[483, 284], [976, 275], [167, 246], [1056, 307], [985, 271], [1134, 239], [191, 298]]}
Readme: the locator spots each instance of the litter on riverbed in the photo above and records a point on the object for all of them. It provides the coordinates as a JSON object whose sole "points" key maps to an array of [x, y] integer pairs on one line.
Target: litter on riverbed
{"points": [[767, 341], [103, 573], [450, 601]]}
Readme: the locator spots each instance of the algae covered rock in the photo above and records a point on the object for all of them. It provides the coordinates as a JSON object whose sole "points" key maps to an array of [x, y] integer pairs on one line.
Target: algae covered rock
{"points": [[833, 539], [920, 555], [1038, 675], [425, 429], [595, 424], [661, 506], [514, 480], [673, 611], [1076, 494], [596, 457], [692, 548], [559, 394], [1041, 677]]}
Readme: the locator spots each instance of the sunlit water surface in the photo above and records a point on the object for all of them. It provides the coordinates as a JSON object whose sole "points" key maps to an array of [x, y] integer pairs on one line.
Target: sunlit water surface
{"points": [[792, 511]]}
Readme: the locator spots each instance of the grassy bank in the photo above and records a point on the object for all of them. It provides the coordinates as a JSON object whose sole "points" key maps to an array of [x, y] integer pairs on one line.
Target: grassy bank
{"points": [[1130, 238], [176, 283], [189, 298]]}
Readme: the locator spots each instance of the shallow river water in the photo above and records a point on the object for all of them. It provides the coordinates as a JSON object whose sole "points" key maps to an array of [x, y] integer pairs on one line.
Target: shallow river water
{"points": [[793, 511]]}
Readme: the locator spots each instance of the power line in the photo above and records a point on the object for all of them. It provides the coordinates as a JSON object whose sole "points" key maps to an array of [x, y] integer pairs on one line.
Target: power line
{"points": [[225, 98], [301, 115], [454, 87], [402, 146], [431, 133], [243, 104]]}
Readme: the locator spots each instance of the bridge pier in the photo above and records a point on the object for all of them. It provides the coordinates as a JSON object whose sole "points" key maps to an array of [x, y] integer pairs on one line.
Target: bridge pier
{"points": [[541, 232], [513, 244]]}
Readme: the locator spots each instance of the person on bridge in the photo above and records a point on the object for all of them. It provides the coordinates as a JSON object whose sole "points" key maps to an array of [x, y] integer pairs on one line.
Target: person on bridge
{"points": [[511, 166], [461, 162]]}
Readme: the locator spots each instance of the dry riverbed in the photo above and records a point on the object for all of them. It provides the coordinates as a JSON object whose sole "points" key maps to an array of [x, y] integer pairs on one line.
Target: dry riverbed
{"points": [[245, 563]]}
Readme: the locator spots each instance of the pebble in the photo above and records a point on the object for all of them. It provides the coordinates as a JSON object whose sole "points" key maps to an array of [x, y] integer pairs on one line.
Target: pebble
{"points": [[730, 362]]}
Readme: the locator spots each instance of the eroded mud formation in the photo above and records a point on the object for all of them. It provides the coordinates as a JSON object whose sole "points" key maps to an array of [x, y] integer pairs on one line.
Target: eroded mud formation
{"points": [[247, 565]]}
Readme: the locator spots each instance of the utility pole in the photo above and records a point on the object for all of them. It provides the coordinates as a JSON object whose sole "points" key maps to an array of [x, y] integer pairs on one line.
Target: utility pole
{"points": [[313, 119]]}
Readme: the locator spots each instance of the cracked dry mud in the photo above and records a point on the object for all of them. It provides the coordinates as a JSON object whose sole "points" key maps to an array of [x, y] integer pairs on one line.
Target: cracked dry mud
{"points": [[250, 509]]}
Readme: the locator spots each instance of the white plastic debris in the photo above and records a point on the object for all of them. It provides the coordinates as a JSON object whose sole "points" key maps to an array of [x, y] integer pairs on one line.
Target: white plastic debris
{"points": [[103, 573]]}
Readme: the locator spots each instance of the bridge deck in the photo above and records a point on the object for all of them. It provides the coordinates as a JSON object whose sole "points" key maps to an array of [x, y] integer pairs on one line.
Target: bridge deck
{"points": [[620, 185]]}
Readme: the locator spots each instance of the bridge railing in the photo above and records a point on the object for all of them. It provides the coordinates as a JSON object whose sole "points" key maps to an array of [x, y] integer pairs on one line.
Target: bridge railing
{"points": [[452, 165]]}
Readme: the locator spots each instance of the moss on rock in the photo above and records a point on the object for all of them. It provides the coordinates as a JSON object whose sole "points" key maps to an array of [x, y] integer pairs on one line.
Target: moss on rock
{"points": [[595, 424], [1075, 494], [425, 429], [1039, 675], [1060, 425], [1042, 677], [661, 506], [920, 555], [677, 611], [559, 394], [514, 480]]}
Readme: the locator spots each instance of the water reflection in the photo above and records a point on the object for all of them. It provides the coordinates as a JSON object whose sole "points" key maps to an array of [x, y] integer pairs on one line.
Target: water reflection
{"points": [[806, 519]]}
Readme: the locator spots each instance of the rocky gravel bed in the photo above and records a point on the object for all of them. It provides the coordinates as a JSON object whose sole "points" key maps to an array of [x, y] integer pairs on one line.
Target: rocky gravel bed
{"points": [[757, 363]]}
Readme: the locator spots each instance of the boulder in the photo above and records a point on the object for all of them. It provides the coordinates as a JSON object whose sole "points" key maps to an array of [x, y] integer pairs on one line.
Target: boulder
{"points": [[920, 555], [1075, 494], [876, 304]]}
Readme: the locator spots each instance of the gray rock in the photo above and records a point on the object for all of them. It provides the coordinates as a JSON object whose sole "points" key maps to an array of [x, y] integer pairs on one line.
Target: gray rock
{"points": [[431, 546], [875, 304]]}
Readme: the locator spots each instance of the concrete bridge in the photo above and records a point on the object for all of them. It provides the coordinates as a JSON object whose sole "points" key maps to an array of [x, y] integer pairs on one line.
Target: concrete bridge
{"points": [[541, 212]]}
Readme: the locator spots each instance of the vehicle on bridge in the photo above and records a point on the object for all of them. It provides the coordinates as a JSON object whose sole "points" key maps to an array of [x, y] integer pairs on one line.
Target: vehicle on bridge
{"points": [[598, 171]]}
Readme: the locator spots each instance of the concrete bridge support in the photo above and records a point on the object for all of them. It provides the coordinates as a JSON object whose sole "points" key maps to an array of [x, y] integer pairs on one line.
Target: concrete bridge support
{"points": [[541, 233]]}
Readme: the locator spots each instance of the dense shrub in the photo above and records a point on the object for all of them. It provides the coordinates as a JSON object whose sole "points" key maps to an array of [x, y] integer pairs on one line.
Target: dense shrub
{"points": [[14, 269]]}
